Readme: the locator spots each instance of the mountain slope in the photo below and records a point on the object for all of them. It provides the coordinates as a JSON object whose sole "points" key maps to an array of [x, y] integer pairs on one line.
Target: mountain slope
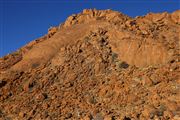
{"points": [[99, 64]]}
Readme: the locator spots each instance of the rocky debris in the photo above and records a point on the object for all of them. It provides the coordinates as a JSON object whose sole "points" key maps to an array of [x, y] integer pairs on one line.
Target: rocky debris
{"points": [[99, 65], [52, 31], [10, 60], [89, 15], [176, 17]]}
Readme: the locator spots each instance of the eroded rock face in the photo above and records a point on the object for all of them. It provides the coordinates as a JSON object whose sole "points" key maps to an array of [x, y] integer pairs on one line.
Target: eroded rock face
{"points": [[141, 41], [100, 64], [90, 15], [176, 16]]}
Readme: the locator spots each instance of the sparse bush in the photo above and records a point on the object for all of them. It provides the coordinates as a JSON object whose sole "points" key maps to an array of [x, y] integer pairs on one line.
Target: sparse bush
{"points": [[123, 65], [114, 56], [35, 65]]}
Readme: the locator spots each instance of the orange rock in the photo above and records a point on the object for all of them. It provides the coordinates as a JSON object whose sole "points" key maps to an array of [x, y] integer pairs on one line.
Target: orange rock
{"points": [[98, 64]]}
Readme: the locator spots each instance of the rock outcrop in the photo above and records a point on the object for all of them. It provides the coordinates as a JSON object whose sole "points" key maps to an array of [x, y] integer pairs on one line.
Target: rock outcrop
{"points": [[98, 65]]}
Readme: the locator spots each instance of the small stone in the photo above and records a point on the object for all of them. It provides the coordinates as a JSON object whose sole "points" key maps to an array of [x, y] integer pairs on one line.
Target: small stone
{"points": [[21, 114], [146, 81], [28, 85], [144, 32], [32, 112], [108, 118], [156, 117], [86, 118], [53, 97], [45, 106], [69, 115], [155, 79], [41, 96], [62, 49]]}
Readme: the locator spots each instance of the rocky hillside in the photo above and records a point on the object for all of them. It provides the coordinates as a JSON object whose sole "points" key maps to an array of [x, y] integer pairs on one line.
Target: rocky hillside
{"points": [[97, 65]]}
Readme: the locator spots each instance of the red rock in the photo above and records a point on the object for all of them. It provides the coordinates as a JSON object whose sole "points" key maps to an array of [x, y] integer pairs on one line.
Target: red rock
{"points": [[76, 71]]}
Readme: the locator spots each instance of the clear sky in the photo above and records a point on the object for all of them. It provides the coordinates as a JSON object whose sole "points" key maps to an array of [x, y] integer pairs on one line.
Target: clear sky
{"points": [[22, 21]]}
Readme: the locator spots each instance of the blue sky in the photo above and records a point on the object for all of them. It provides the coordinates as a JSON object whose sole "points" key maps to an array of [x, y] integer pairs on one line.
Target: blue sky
{"points": [[22, 21]]}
